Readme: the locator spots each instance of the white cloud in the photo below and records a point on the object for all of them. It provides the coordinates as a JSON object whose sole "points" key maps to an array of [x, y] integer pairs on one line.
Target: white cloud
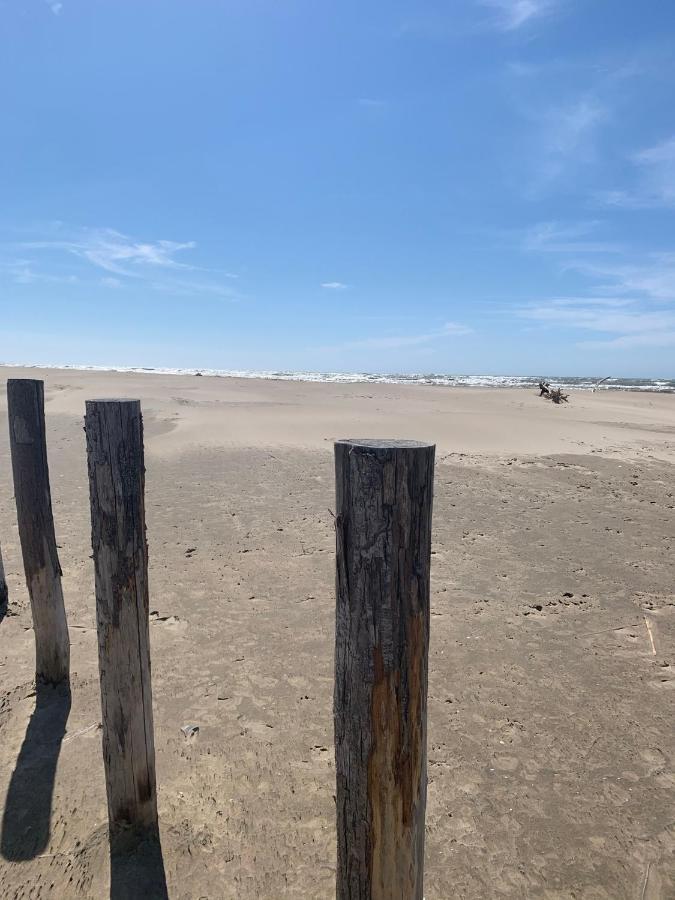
{"points": [[569, 135], [599, 318], [610, 302], [561, 138], [371, 103], [654, 278], [23, 271], [513, 14], [115, 252], [119, 256], [183, 287], [655, 179], [55, 7], [334, 286], [393, 342], [561, 237], [649, 339], [623, 327]]}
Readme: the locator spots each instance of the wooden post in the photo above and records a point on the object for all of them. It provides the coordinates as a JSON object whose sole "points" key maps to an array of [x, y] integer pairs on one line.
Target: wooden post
{"points": [[384, 495], [114, 430], [28, 446]]}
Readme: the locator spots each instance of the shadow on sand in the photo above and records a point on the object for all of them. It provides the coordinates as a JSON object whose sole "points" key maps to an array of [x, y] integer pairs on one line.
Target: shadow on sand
{"points": [[28, 808], [4, 596], [137, 867]]}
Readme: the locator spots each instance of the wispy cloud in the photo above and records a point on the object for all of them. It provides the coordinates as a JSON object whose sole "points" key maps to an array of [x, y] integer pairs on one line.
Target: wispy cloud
{"points": [[629, 301], [568, 136], [654, 177], [623, 326], [560, 134], [123, 259], [567, 237], [629, 341], [443, 21], [334, 285], [513, 14], [652, 278], [645, 276], [55, 7], [393, 342], [371, 103], [23, 271], [116, 252], [189, 287], [569, 105]]}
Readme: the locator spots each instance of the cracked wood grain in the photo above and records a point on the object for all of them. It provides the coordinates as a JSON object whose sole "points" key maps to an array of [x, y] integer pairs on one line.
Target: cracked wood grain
{"points": [[384, 495], [114, 430], [28, 448]]}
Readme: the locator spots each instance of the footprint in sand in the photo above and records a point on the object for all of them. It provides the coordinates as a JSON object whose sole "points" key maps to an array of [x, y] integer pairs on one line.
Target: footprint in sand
{"points": [[170, 621]]}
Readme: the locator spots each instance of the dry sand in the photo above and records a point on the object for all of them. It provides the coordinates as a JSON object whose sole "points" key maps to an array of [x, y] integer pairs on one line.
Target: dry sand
{"points": [[552, 664]]}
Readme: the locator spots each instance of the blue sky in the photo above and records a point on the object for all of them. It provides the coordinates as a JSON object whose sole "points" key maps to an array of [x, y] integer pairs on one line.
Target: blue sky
{"points": [[478, 186]]}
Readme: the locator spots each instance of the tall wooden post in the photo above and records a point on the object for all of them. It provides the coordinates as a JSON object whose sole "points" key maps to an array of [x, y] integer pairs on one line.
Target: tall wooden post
{"points": [[384, 495], [28, 446], [114, 430]]}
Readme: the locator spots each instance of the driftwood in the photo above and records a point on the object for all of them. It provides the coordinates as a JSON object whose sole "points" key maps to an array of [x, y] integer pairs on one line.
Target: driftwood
{"points": [[28, 446], [383, 529], [555, 395]]}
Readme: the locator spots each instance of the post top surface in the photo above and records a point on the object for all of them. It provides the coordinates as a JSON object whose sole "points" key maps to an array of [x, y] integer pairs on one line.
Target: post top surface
{"points": [[385, 443], [98, 400]]}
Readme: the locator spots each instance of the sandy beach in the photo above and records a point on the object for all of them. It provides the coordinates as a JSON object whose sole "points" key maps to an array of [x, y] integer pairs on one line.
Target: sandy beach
{"points": [[552, 663]]}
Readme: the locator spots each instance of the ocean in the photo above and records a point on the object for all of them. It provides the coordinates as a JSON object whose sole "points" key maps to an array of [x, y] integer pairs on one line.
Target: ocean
{"points": [[569, 382]]}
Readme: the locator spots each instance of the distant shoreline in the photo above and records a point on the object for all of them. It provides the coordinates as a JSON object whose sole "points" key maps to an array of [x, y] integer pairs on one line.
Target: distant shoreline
{"points": [[583, 383]]}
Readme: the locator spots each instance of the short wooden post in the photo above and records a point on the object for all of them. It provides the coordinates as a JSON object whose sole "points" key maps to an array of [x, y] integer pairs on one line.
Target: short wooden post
{"points": [[114, 430], [384, 495], [28, 447]]}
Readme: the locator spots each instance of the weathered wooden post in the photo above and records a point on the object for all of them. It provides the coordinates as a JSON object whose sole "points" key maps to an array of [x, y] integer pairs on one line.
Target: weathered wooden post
{"points": [[384, 493], [114, 430], [28, 447]]}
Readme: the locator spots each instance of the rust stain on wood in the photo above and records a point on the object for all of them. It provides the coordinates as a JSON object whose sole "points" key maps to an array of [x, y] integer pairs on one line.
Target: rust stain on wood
{"points": [[395, 767]]}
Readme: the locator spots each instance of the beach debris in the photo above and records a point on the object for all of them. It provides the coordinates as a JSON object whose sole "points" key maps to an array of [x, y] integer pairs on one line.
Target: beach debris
{"points": [[74, 734], [601, 381], [651, 636], [190, 730], [555, 395]]}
